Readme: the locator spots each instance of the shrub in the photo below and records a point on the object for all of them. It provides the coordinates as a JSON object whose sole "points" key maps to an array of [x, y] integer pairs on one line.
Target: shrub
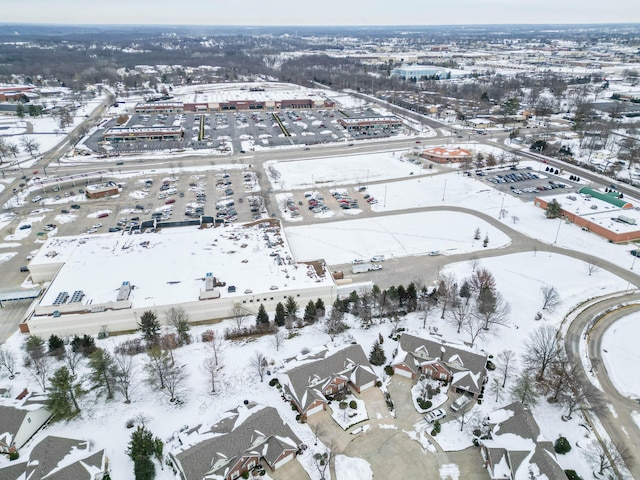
{"points": [[245, 475], [434, 432], [378, 383], [343, 405], [130, 347], [562, 446], [353, 405], [273, 382], [436, 426], [208, 335], [572, 475], [490, 365], [423, 404], [388, 370], [14, 456]]}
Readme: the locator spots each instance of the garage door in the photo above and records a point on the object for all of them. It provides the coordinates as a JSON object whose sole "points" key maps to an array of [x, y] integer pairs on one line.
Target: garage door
{"points": [[284, 460], [315, 410], [402, 372]]}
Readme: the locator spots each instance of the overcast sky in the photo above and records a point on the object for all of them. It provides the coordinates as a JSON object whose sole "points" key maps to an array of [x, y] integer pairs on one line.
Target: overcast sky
{"points": [[319, 12]]}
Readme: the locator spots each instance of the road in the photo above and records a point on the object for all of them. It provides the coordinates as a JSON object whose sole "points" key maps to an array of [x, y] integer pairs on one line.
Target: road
{"points": [[621, 427]]}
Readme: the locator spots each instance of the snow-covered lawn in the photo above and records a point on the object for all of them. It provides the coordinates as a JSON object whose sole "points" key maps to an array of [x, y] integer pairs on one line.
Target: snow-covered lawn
{"points": [[349, 468], [392, 236], [331, 171], [346, 417], [620, 351]]}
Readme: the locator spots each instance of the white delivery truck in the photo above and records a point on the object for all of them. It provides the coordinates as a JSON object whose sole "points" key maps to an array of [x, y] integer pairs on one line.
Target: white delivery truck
{"points": [[361, 267]]}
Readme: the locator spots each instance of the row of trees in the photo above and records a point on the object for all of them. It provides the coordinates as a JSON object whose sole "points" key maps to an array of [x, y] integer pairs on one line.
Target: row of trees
{"points": [[28, 144]]}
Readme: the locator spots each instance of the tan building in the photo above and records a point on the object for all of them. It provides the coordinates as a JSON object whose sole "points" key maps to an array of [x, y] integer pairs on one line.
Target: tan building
{"points": [[446, 155]]}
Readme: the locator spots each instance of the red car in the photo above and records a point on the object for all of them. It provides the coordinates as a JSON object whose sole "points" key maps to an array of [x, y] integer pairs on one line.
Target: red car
{"points": [[171, 200]]}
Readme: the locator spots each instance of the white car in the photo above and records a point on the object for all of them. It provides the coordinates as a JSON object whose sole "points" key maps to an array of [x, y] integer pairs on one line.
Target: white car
{"points": [[378, 258], [459, 403], [375, 267], [434, 415], [357, 261], [36, 199], [97, 225]]}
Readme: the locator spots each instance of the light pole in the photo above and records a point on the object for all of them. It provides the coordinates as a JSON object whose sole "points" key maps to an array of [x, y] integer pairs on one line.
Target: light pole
{"points": [[444, 189], [558, 232], [384, 204]]}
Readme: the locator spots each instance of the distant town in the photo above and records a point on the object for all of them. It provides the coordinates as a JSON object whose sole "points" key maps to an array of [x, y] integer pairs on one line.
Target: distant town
{"points": [[319, 252]]}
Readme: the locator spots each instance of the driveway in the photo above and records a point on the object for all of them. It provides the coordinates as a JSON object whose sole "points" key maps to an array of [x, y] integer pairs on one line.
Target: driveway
{"points": [[396, 447]]}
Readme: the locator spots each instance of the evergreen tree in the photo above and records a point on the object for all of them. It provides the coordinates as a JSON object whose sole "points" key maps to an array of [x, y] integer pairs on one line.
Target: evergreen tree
{"points": [[20, 110], [150, 327], [465, 291], [553, 209], [291, 307], [402, 296], [412, 297], [56, 346], [103, 371], [142, 447], [63, 394], [262, 318], [85, 345], [320, 308], [310, 312], [281, 315], [377, 356], [34, 347]]}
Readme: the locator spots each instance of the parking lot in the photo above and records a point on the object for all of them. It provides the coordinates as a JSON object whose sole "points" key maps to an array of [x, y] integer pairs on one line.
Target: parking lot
{"points": [[525, 182], [228, 195], [240, 131]]}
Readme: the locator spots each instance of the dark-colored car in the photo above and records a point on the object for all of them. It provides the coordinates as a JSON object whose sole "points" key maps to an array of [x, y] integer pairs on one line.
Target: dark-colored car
{"points": [[75, 206]]}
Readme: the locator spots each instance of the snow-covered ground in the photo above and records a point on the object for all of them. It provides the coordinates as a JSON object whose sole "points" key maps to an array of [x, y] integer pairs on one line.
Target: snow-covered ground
{"points": [[392, 236], [620, 352]]}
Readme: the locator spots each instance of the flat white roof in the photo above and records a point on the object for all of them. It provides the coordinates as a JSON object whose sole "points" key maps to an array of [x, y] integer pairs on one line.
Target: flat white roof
{"points": [[602, 214], [169, 267]]}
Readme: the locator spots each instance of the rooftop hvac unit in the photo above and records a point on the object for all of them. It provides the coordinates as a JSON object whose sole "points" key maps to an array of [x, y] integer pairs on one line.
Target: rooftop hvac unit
{"points": [[210, 282], [124, 292]]}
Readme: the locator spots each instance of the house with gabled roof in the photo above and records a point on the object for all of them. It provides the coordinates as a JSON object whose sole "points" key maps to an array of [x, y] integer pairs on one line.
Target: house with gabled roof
{"points": [[58, 458], [308, 382], [516, 450], [235, 444], [464, 370], [20, 419]]}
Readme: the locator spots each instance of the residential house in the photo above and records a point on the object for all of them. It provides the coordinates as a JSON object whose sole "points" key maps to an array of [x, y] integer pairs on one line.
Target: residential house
{"points": [[516, 450], [464, 370], [322, 375], [20, 419], [234, 445], [58, 458]]}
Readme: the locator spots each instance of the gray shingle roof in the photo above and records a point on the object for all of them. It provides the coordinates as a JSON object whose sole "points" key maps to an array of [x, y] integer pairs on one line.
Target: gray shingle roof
{"points": [[306, 382], [516, 420], [46, 457], [12, 415], [415, 351], [244, 431]]}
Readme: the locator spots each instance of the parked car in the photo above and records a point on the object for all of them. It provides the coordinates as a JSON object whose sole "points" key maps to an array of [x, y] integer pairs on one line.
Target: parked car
{"points": [[434, 415], [459, 403], [635, 253], [26, 226], [75, 206]]}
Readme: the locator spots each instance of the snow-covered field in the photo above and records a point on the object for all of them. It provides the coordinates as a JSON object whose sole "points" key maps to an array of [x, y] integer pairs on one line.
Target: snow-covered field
{"points": [[331, 171], [393, 236], [620, 351]]}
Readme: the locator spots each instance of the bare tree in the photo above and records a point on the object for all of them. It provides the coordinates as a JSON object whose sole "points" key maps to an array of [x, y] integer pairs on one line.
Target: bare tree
{"points": [[30, 145], [578, 393], [334, 323], [482, 278], [606, 456], [215, 342], [213, 370], [317, 430], [239, 314], [550, 298], [524, 390], [475, 328], [179, 319], [506, 364], [278, 339], [72, 359], [592, 266], [459, 314], [542, 348], [125, 377], [156, 366], [8, 361], [323, 460], [258, 364], [496, 389], [175, 377], [446, 292]]}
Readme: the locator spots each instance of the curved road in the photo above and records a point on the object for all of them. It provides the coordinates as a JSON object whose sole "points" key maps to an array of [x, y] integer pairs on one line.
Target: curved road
{"points": [[621, 427]]}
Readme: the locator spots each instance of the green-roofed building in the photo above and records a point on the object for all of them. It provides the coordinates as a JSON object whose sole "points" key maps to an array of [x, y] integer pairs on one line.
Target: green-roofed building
{"points": [[610, 197]]}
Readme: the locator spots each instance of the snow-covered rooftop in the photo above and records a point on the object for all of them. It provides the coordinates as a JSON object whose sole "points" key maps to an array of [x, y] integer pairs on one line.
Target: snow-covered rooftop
{"points": [[169, 267]]}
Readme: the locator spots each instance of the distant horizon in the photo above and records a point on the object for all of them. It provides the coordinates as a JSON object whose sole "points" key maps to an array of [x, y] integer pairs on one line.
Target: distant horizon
{"points": [[285, 13]]}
